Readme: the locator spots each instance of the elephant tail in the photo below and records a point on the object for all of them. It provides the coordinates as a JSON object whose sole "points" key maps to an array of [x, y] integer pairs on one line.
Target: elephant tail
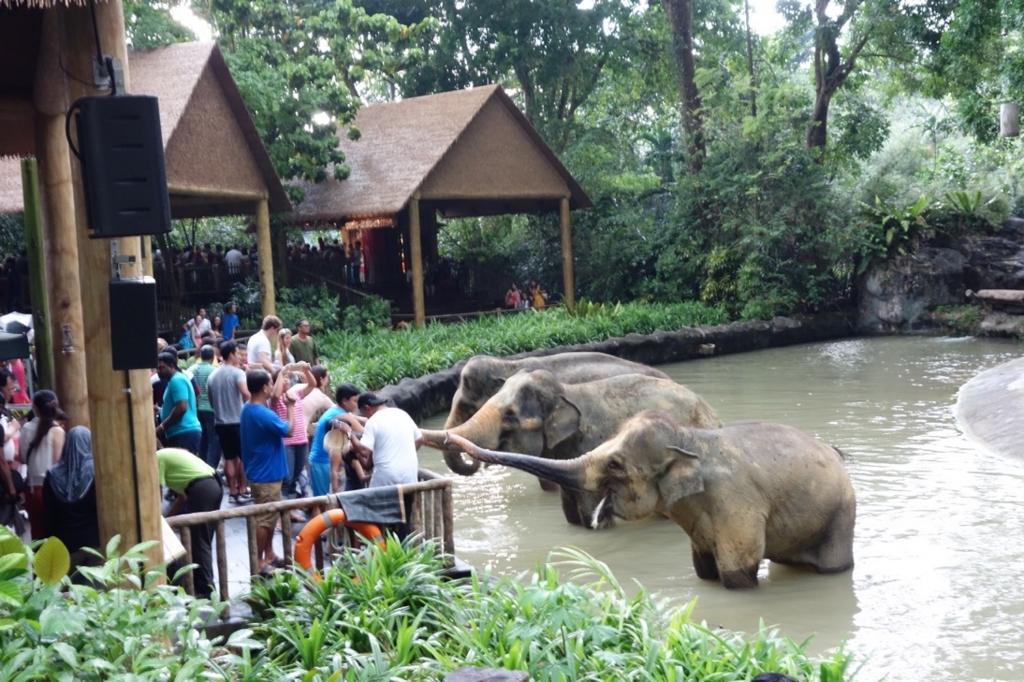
{"points": [[842, 455]]}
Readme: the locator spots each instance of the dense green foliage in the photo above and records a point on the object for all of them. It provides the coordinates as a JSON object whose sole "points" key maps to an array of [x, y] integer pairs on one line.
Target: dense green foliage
{"points": [[308, 302], [381, 358], [388, 614], [373, 314], [725, 166], [385, 613]]}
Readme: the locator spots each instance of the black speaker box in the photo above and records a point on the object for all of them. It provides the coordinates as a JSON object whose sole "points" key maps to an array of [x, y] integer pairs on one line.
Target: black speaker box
{"points": [[123, 172], [133, 324]]}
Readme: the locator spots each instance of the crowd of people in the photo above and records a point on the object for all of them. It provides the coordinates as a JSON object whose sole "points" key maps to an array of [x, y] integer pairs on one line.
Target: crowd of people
{"points": [[261, 422]]}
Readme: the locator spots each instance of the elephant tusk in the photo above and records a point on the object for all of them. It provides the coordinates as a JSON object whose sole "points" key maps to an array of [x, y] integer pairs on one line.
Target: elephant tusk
{"points": [[596, 517]]}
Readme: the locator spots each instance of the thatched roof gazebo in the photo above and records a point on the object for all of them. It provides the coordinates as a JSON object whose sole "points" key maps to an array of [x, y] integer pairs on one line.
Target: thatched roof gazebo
{"points": [[455, 154]]}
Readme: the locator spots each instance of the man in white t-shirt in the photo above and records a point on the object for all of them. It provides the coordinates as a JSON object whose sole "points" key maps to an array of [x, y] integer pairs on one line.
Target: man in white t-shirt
{"points": [[388, 443], [234, 260], [260, 351]]}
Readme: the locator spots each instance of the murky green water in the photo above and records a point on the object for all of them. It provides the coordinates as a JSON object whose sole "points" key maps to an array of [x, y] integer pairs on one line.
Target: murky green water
{"points": [[936, 592]]}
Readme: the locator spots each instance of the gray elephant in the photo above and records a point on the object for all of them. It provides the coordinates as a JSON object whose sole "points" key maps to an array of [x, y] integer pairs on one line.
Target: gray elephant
{"points": [[742, 492], [536, 414], [483, 375]]}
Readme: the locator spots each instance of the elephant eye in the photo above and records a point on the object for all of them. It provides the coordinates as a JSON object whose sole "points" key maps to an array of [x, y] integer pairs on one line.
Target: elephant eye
{"points": [[615, 465]]}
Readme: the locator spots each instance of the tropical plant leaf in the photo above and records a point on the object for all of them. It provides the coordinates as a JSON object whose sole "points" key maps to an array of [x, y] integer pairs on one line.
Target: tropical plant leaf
{"points": [[52, 561]]}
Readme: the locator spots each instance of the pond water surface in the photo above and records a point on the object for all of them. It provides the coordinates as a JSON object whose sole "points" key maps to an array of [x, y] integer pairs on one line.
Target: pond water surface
{"points": [[937, 591]]}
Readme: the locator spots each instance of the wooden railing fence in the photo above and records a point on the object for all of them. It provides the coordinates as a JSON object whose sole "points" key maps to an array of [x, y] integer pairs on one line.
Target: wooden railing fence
{"points": [[429, 518]]}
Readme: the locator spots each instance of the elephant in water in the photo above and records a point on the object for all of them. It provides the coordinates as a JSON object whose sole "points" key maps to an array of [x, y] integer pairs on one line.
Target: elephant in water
{"points": [[483, 375], [536, 414], [742, 492]]}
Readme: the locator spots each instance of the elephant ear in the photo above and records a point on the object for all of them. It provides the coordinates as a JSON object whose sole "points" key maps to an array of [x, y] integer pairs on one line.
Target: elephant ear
{"points": [[682, 476], [563, 423]]}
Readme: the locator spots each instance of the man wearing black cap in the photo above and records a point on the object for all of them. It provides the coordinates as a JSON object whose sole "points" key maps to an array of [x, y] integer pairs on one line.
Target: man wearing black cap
{"points": [[389, 441]]}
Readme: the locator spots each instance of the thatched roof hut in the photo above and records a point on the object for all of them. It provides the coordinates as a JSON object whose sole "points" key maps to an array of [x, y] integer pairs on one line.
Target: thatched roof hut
{"points": [[469, 152], [216, 162], [455, 154]]}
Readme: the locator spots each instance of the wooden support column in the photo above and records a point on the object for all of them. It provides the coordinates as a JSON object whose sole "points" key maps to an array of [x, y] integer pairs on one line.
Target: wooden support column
{"points": [[120, 403], [419, 306], [266, 257], [60, 230], [37, 272], [567, 280]]}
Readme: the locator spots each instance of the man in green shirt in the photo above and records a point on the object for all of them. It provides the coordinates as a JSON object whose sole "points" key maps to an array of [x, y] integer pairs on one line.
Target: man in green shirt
{"points": [[304, 346], [199, 490]]}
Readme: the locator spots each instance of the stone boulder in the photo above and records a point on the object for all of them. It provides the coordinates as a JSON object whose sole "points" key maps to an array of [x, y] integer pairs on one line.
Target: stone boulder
{"points": [[896, 294], [996, 261]]}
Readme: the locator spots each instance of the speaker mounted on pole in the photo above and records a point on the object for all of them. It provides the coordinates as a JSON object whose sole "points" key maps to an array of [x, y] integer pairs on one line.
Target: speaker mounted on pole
{"points": [[123, 174]]}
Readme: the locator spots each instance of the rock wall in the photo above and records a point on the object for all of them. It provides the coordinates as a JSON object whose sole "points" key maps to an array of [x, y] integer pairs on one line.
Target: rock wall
{"points": [[899, 295], [432, 394]]}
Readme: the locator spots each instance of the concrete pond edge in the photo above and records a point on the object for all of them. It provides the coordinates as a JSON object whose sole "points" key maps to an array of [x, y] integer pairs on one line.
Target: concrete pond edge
{"points": [[431, 394]]}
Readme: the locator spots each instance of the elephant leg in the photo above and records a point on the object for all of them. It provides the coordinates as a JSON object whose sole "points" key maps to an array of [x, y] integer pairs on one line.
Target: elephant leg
{"points": [[835, 553], [547, 485], [739, 557], [704, 564], [571, 507]]}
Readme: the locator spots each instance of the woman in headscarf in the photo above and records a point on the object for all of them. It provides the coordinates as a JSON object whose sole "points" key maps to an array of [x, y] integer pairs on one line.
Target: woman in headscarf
{"points": [[69, 498]]}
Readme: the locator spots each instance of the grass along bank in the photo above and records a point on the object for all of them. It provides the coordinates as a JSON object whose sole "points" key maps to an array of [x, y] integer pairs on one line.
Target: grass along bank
{"points": [[386, 614], [382, 358]]}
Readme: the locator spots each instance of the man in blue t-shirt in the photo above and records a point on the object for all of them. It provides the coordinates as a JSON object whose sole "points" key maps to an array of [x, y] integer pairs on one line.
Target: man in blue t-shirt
{"points": [[229, 321], [263, 456], [179, 422]]}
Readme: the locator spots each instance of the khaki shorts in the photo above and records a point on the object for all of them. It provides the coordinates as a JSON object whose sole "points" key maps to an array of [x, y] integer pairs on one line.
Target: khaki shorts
{"points": [[264, 493]]}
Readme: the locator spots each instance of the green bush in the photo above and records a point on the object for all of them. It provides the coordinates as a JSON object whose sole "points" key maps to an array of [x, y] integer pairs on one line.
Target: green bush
{"points": [[125, 625], [383, 613], [388, 614], [383, 357], [308, 302], [374, 313]]}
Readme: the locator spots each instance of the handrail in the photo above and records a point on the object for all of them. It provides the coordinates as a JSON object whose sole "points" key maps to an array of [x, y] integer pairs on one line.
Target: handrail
{"points": [[429, 517]]}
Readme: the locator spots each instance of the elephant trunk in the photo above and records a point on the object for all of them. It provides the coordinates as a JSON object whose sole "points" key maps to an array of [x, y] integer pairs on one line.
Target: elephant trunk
{"points": [[568, 473], [482, 429], [460, 412]]}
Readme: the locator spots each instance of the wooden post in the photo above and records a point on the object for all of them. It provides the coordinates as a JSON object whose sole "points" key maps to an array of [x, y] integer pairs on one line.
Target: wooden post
{"points": [[266, 257], [120, 403], [37, 271], [419, 306], [60, 236], [567, 281]]}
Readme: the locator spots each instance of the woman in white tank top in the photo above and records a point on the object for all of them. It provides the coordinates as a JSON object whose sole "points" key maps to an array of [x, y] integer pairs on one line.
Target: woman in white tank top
{"points": [[41, 442]]}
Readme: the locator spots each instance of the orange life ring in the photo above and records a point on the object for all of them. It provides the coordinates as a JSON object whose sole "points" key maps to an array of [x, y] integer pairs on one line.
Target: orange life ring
{"points": [[319, 524]]}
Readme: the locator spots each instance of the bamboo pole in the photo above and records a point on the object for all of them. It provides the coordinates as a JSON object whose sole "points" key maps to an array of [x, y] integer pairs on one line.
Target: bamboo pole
{"points": [[567, 279], [60, 237], [37, 271], [419, 306], [266, 257], [120, 403]]}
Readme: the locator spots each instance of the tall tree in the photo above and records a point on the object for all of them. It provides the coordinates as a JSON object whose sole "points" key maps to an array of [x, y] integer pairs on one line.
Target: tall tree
{"points": [[680, 16], [551, 53], [299, 66]]}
